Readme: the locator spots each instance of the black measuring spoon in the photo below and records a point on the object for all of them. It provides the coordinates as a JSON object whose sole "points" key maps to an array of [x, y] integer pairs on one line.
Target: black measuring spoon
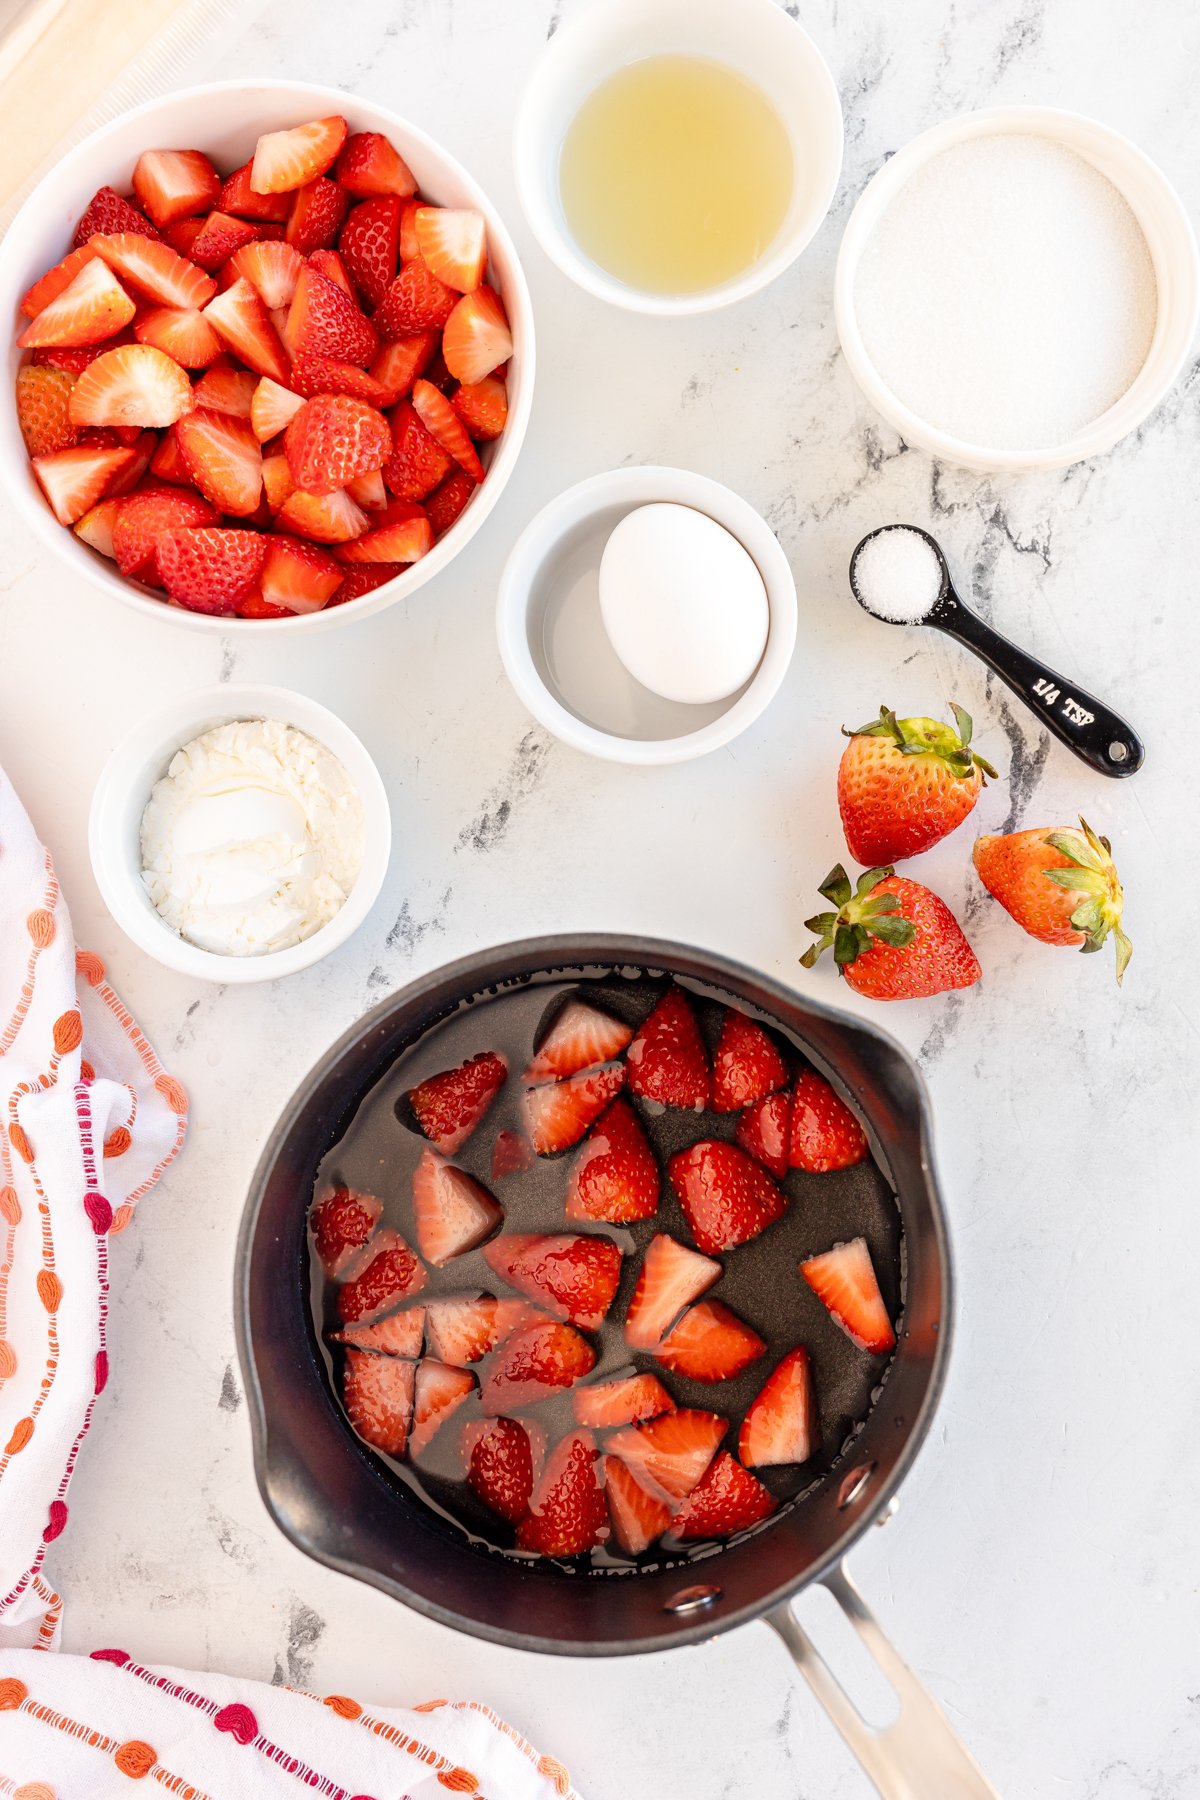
{"points": [[1099, 736]]}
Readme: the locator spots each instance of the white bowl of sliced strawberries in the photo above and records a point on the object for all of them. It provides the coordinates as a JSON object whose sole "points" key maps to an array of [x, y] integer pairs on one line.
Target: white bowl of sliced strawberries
{"points": [[272, 355]]}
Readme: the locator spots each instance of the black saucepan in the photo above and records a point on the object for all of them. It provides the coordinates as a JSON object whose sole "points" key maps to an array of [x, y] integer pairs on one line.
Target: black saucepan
{"points": [[342, 1505]]}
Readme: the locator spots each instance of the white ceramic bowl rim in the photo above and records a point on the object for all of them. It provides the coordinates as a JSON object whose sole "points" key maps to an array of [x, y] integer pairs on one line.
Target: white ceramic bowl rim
{"points": [[639, 486], [139, 759], [1179, 283], [92, 163]]}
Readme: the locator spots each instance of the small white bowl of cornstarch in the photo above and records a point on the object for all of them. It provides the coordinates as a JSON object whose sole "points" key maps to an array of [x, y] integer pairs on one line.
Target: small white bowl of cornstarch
{"points": [[1017, 288]]}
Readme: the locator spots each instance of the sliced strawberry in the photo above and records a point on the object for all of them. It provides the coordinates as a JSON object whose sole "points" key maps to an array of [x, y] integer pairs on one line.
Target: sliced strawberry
{"points": [[43, 409], [573, 1278], [181, 234], [500, 1466], [408, 229], [453, 243], [342, 1222], [781, 1425], [400, 1334], [672, 1451], [825, 1134], [558, 1114], [141, 450], [397, 364], [298, 577], [49, 286], [316, 216], [218, 238], [74, 360], [727, 1198], [222, 455], [638, 1517], [96, 526], [533, 1362], [370, 245], [208, 569], [272, 408], [729, 1499], [567, 1515], [763, 1132], [243, 323], [329, 263], [476, 338], [135, 385], [92, 307], [400, 541], [746, 1064], [378, 1392], [227, 390], [447, 501], [615, 1176], [843, 1279], [710, 1343], [443, 423], [173, 183], [323, 320], [323, 518], [239, 198], [167, 463], [622, 1402], [108, 211], [141, 520], [368, 164], [368, 489], [482, 406], [671, 1277], [392, 1272], [440, 1391], [453, 1211], [253, 606], [667, 1059], [417, 462], [314, 374], [415, 301], [448, 1107], [181, 333], [461, 1330], [580, 1036], [155, 270], [332, 439], [73, 480], [271, 269], [512, 1154], [287, 159]]}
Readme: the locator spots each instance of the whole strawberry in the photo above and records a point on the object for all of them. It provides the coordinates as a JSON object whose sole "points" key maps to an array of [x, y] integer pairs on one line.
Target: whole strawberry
{"points": [[1060, 885], [904, 784], [892, 939]]}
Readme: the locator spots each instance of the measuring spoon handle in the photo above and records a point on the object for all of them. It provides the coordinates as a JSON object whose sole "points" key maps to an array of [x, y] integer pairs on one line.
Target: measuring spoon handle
{"points": [[1098, 735]]}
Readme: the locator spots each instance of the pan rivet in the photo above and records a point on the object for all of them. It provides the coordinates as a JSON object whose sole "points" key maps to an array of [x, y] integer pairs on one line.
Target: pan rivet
{"points": [[692, 1599], [854, 1485]]}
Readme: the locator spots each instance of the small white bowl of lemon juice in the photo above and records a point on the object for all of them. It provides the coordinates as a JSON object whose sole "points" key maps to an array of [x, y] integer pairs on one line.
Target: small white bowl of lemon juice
{"points": [[673, 156]]}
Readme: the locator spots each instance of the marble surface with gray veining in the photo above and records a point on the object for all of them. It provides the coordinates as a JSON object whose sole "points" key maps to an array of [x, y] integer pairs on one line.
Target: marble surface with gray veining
{"points": [[1043, 1570]]}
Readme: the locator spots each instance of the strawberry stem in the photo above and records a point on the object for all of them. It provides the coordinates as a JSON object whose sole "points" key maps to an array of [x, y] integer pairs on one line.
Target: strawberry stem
{"points": [[1093, 876], [951, 744], [863, 919]]}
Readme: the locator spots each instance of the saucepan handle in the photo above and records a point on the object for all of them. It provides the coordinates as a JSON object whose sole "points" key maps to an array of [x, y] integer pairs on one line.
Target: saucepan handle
{"points": [[918, 1756]]}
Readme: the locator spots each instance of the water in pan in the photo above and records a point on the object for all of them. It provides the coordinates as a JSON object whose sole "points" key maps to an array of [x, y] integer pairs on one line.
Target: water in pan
{"points": [[376, 1152]]}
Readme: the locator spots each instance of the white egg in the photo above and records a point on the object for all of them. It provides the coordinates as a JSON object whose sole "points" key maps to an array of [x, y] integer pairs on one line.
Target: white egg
{"points": [[683, 603]]}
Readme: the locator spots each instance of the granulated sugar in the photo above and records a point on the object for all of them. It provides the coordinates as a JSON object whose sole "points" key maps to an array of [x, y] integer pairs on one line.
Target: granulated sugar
{"points": [[1007, 294], [897, 576]]}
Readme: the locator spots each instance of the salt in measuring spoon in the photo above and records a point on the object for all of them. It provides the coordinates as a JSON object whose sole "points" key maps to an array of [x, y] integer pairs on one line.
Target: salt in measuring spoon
{"points": [[922, 593]]}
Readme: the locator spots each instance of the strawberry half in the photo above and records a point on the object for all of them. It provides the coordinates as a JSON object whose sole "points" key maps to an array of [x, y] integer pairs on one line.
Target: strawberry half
{"points": [[227, 390], [726, 1198], [482, 406], [843, 1279], [512, 1154], [477, 338], [824, 1132], [440, 1391], [208, 569], [558, 1114], [667, 1059], [462, 1330], [96, 526], [242, 322], [272, 409], [638, 1517], [447, 501], [369, 243], [764, 1132], [397, 365], [93, 306], [316, 216], [709, 1344], [181, 333], [155, 270], [333, 439], [453, 1212], [567, 1514], [313, 374], [415, 301], [298, 577], [615, 1176], [369, 164], [500, 1466], [272, 270], [580, 1036], [746, 1064], [573, 1278], [378, 1394], [73, 480], [533, 1362], [135, 385], [218, 238], [287, 159], [324, 518], [622, 1402], [392, 1272], [108, 211], [239, 198], [417, 462], [49, 286], [341, 1223], [400, 1334], [141, 520], [448, 1107], [453, 243], [729, 1499], [173, 183], [443, 424], [672, 1451], [399, 540], [671, 1277], [43, 409], [322, 319], [781, 1423], [223, 458]]}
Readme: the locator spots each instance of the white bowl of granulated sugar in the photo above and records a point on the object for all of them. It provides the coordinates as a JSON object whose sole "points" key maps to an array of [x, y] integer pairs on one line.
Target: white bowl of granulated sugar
{"points": [[1017, 289]]}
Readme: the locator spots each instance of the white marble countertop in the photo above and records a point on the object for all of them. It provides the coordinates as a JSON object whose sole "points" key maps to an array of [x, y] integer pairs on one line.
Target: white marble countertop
{"points": [[1042, 1571]]}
